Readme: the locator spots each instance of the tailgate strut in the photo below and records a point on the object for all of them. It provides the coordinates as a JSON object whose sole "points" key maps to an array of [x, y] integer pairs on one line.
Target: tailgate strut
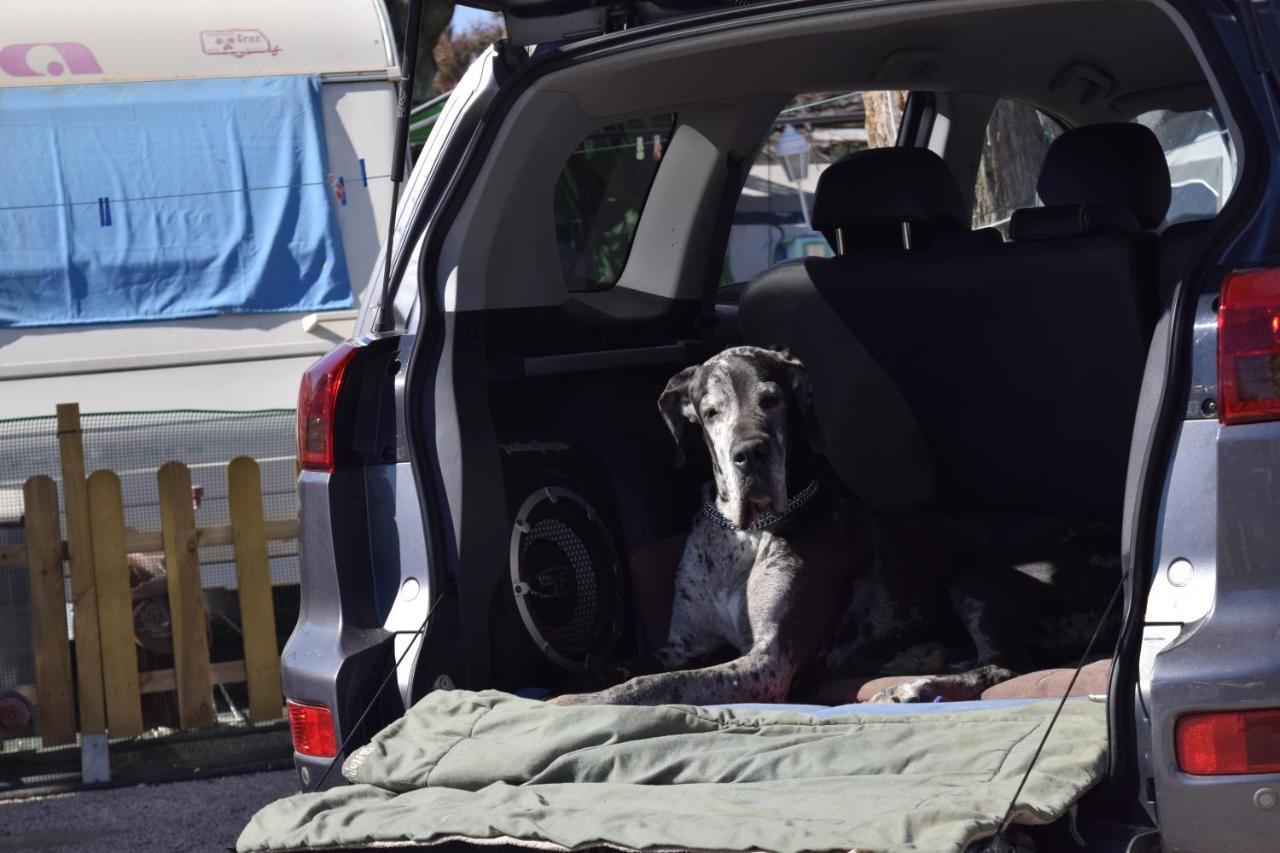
{"points": [[409, 65]]}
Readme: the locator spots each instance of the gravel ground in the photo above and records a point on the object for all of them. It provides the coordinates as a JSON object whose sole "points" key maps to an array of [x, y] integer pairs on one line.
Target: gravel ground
{"points": [[206, 814]]}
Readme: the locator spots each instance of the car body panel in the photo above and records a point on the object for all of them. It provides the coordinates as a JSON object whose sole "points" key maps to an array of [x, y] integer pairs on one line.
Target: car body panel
{"points": [[1209, 644], [363, 541]]}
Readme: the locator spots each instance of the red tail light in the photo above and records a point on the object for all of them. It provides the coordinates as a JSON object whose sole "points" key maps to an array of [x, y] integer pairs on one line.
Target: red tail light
{"points": [[312, 729], [317, 400], [1227, 742], [1249, 347]]}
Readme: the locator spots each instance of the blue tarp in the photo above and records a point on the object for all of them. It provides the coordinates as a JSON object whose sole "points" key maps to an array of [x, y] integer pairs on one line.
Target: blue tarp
{"points": [[143, 201]]}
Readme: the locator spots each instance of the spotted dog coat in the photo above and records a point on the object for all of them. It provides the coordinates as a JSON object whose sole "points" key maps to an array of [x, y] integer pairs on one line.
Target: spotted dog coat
{"points": [[798, 582]]}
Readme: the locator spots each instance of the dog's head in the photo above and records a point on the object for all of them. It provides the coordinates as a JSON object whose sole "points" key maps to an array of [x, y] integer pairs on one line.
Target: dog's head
{"points": [[755, 408]]}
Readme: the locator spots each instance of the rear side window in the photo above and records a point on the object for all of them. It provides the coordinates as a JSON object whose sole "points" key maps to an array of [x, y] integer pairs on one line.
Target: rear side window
{"points": [[1196, 145], [771, 219], [1202, 162], [600, 195], [1017, 138]]}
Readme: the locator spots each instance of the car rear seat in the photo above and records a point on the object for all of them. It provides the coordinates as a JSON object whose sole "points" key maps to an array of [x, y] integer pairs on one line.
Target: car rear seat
{"points": [[1012, 370], [906, 199], [919, 355], [1101, 179], [1113, 176]]}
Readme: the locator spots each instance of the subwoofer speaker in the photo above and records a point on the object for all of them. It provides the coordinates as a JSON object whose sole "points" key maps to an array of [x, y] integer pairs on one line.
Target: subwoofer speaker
{"points": [[566, 578]]}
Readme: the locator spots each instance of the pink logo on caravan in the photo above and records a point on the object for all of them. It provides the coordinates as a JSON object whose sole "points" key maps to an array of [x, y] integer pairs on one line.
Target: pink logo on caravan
{"points": [[75, 58], [236, 42]]}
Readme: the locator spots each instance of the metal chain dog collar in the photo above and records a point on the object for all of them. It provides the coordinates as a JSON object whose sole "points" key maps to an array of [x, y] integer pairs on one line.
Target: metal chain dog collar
{"points": [[764, 522]]}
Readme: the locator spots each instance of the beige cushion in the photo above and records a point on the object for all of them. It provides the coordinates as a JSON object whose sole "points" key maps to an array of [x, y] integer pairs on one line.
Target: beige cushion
{"points": [[1051, 683], [1044, 684]]}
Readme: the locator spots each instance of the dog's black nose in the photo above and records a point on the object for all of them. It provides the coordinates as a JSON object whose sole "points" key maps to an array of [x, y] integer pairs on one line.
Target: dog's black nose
{"points": [[748, 451]]}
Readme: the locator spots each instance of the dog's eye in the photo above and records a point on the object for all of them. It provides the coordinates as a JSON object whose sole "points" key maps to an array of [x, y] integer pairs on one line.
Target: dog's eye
{"points": [[710, 414], [768, 401]]}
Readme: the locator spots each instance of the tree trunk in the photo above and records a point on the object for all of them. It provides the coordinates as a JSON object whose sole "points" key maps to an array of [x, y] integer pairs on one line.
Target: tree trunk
{"points": [[884, 116], [1017, 139]]}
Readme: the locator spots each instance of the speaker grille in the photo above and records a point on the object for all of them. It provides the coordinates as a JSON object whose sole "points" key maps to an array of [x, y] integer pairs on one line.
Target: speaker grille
{"points": [[566, 578]]}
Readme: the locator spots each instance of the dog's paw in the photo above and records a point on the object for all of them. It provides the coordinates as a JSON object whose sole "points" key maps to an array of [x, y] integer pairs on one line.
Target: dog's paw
{"points": [[918, 690]]}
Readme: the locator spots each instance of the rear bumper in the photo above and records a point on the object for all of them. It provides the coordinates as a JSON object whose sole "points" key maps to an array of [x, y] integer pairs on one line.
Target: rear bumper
{"points": [[311, 770], [337, 654], [1227, 658]]}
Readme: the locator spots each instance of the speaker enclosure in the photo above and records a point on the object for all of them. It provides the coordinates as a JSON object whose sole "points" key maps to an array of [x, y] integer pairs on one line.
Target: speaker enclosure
{"points": [[566, 584], [566, 578]]}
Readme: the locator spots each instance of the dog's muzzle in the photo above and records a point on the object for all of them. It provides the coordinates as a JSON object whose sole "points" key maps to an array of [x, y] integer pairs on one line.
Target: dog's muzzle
{"points": [[751, 459], [750, 454]]}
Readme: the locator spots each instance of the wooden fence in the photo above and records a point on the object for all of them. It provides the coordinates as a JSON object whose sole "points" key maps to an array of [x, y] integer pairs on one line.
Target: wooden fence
{"points": [[105, 698]]}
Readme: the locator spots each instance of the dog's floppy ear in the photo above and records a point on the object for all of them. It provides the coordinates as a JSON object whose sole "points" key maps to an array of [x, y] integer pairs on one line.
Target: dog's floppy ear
{"points": [[802, 393], [677, 409]]}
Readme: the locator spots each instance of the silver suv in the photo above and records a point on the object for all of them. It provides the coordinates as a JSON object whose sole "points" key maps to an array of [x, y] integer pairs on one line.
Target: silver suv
{"points": [[1099, 337]]}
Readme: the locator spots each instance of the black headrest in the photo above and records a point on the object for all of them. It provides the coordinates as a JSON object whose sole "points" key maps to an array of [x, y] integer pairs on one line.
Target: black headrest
{"points": [[881, 186], [1120, 164], [1070, 220]]}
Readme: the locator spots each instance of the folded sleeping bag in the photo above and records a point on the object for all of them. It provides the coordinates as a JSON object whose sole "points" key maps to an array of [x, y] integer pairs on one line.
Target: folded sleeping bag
{"points": [[491, 767]]}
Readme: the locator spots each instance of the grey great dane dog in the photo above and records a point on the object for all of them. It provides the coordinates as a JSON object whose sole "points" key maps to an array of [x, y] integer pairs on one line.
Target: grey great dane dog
{"points": [[786, 579]]}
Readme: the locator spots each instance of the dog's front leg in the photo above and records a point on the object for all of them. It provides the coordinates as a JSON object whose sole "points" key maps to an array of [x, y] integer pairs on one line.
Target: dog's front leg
{"points": [[763, 674], [780, 639]]}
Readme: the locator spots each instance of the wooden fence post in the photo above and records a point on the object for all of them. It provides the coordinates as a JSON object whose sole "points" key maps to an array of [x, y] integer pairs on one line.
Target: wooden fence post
{"points": [[186, 597], [257, 614], [115, 607], [75, 496], [55, 701]]}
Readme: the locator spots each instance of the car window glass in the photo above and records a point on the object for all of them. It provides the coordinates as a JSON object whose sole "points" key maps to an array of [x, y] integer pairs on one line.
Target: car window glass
{"points": [[771, 218], [600, 194], [1202, 163], [1013, 150]]}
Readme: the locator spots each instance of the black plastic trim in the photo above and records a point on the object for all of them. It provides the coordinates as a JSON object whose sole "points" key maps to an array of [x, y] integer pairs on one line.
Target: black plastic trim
{"points": [[578, 362]]}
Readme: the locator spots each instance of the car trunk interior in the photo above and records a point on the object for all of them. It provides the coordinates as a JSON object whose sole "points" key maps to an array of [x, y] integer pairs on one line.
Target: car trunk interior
{"points": [[981, 378]]}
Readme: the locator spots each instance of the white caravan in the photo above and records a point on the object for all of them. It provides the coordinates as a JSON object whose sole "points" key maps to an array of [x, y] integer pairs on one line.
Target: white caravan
{"points": [[204, 247]]}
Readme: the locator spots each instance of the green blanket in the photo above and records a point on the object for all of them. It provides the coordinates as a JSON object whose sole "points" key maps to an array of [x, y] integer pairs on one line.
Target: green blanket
{"points": [[488, 766]]}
